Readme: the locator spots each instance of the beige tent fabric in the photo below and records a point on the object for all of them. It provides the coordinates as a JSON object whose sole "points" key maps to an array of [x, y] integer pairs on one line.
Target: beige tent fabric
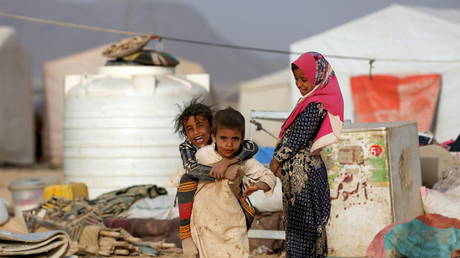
{"points": [[374, 36], [269, 93], [54, 72], [16, 102]]}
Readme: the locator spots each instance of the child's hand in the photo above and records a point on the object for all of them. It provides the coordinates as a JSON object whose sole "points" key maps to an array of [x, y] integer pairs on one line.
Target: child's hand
{"points": [[275, 167], [277, 173], [250, 188], [232, 172], [218, 169]]}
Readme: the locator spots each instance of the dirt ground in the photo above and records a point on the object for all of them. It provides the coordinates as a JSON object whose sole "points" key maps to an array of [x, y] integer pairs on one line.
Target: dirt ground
{"points": [[251, 256]]}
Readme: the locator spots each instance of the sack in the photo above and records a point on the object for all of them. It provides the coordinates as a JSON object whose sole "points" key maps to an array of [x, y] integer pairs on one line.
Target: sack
{"points": [[446, 204], [161, 207]]}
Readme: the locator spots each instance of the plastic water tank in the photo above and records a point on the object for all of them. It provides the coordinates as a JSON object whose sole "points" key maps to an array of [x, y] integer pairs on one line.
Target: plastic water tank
{"points": [[118, 126]]}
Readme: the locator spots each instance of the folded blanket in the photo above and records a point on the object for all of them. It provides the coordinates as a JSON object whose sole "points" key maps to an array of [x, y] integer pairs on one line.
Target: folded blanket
{"points": [[52, 244]]}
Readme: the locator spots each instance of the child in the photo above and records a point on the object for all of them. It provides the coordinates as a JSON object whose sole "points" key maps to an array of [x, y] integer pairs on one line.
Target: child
{"points": [[218, 223], [194, 122]]}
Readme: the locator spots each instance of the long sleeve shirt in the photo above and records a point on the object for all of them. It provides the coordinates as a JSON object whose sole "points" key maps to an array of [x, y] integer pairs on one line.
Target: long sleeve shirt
{"points": [[188, 151]]}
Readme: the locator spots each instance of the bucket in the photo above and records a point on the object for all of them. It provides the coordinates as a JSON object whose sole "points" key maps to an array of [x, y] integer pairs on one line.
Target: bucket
{"points": [[27, 193]]}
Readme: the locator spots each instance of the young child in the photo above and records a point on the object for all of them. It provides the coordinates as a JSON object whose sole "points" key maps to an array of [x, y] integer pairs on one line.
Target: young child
{"points": [[218, 222], [194, 122]]}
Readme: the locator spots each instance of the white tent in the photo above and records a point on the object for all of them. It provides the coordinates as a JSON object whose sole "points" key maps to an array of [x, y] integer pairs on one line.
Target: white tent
{"points": [[400, 32], [269, 93], [16, 102], [54, 72]]}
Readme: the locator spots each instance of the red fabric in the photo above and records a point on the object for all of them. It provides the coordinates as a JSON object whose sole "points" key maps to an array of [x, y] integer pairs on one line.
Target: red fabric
{"points": [[185, 210], [389, 98], [377, 247], [149, 229], [439, 221], [328, 94]]}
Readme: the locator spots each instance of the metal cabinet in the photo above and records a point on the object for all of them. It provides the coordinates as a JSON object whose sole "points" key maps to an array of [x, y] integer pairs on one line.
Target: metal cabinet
{"points": [[374, 177]]}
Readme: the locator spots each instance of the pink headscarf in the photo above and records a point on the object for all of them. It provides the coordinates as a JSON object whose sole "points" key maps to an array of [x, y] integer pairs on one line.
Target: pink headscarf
{"points": [[326, 91]]}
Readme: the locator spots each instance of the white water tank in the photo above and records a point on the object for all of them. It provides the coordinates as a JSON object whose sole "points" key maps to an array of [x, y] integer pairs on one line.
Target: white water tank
{"points": [[118, 126]]}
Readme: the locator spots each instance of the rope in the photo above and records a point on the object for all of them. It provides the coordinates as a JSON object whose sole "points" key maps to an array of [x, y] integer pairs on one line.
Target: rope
{"points": [[198, 42]]}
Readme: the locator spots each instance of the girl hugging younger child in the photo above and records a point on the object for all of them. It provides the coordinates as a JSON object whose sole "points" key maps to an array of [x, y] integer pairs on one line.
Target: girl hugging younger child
{"points": [[194, 123]]}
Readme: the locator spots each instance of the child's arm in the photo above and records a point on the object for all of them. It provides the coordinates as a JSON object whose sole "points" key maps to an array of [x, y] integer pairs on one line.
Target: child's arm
{"points": [[248, 150], [187, 153], [275, 167], [260, 178], [255, 187]]}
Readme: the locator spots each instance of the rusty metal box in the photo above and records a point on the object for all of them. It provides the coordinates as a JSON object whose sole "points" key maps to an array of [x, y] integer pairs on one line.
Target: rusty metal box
{"points": [[374, 177]]}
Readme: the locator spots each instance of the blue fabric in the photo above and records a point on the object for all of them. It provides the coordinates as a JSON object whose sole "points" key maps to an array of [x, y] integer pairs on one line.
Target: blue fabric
{"points": [[416, 239], [265, 154]]}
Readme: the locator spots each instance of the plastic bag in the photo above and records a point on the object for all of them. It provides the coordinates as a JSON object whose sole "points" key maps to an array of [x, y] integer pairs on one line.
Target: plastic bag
{"points": [[161, 207]]}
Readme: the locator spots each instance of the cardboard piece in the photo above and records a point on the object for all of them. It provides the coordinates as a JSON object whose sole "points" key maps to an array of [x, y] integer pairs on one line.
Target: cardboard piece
{"points": [[434, 160]]}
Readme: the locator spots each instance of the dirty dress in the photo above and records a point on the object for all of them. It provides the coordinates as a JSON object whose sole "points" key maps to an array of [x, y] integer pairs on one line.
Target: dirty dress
{"points": [[218, 223]]}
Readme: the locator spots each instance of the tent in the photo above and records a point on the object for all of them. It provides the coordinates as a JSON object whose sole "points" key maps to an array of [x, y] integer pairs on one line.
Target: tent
{"points": [[54, 72], [268, 93], [16, 102], [399, 32]]}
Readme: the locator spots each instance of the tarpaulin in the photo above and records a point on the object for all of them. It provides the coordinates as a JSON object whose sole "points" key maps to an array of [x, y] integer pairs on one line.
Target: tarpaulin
{"points": [[53, 244], [384, 98]]}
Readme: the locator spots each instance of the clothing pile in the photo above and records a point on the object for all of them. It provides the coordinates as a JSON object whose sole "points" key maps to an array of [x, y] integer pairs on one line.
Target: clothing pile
{"points": [[83, 221], [429, 235], [444, 198], [98, 240]]}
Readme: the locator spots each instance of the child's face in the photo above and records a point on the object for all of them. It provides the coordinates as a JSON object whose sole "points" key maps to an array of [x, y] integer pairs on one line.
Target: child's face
{"points": [[302, 82], [198, 130], [227, 141]]}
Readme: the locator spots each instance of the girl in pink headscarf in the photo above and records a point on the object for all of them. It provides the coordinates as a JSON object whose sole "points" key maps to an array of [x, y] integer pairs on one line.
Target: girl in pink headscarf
{"points": [[315, 122]]}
